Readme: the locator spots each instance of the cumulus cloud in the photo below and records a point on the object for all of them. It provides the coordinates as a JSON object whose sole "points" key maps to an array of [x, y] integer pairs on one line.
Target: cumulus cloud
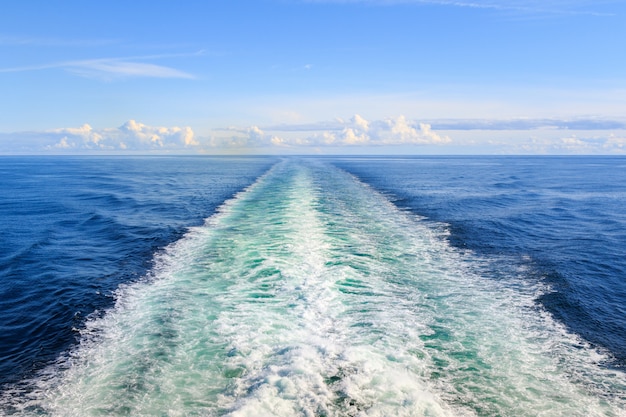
{"points": [[357, 131], [354, 132], [250, 137], [611, 144], [615, 143], [131, 136], [572, 144]]}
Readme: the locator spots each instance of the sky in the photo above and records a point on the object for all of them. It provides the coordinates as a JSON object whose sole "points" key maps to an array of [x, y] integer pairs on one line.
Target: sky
{"points": [[313, 77]]}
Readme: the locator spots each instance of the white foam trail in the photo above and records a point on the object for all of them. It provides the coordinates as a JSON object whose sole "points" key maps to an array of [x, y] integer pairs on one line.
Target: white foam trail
{"points": [[310, 294]]}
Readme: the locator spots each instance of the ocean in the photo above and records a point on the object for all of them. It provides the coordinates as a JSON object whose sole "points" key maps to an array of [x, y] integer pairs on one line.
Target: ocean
{"points": [[302, 286]]}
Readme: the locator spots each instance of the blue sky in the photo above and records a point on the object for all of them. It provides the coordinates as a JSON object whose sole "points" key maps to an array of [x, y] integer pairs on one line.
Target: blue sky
{"points": [[317, 76]]}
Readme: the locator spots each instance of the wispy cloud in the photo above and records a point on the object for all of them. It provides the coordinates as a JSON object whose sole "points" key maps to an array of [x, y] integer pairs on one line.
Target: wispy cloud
{"points": [[113, 68], [532, 7], [21, 41], [528, 124], [545, 7], [110, 69]]}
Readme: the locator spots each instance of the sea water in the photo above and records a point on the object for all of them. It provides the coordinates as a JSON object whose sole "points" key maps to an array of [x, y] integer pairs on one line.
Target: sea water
{"points": [[310, 292]]}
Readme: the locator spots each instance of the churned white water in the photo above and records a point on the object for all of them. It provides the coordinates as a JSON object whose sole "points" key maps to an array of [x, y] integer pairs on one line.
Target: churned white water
{"points": [[310, 294]]}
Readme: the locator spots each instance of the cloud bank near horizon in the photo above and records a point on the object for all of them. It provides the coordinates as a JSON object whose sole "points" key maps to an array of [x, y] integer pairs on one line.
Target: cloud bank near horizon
{"points": [[135, 136], [354, 135], [131, 136], [357, 131]]}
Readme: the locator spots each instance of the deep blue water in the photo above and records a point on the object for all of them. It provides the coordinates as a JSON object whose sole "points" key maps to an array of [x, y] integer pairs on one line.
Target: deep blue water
{"points": [[563, 217], [321, 286], [73, 229]]}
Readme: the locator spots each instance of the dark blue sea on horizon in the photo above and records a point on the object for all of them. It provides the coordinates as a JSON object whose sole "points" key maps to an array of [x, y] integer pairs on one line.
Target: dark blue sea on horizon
{"points": [[75, 229]]}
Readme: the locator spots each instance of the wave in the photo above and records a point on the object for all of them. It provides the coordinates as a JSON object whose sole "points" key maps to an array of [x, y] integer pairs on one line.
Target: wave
{"points": [[310, 293]]}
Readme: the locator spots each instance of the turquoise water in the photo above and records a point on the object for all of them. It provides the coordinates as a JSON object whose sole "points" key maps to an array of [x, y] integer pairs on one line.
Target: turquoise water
{"points": [[310, 294]]}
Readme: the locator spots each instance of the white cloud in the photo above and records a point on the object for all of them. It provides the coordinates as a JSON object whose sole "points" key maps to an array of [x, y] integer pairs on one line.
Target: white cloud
{"points": [[399, 131], [355, 132], [250, 137], [358, 131], [542, 7], [574, 144], [588, 123], [114, 68], [131, 136], [109, 69], [542, 142], [615, 143], [63, 144]]}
